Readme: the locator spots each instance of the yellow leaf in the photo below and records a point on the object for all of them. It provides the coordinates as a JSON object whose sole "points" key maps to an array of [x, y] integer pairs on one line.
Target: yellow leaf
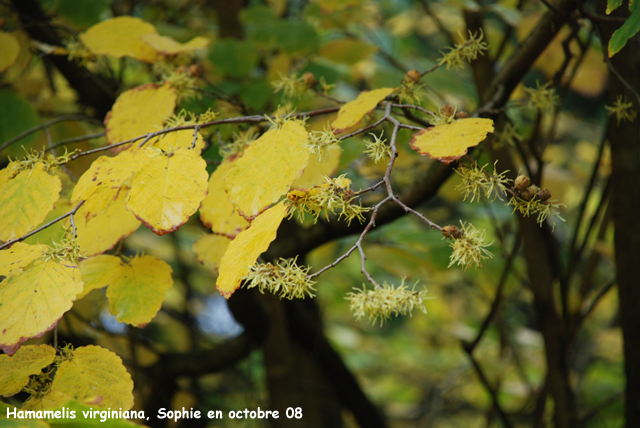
{"points": [[9, 172], [179, 139], [109, 172], [118, 37], [216, 212], [278, 66], [15, 370], [245, 249], [139, 111], [450, 142], [32, 302], [317, 169], [347, 51], [267, 168], [167, 46], [138, 289], [56, 232], [99, 272], [209, 250], [95, 372], [9, 51], [51, 400], [135, 290], [13, 259], [104, 220], [168, 189], [25, 201], [352, 112]]}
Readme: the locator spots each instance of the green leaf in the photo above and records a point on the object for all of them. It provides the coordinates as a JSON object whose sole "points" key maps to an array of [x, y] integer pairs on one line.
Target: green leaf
{"points": [[628, 30], [235, 58], [296, 37], [16, 116], [83, 13], [613, 5]]}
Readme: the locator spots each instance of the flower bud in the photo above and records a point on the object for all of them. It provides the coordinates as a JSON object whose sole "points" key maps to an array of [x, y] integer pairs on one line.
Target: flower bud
{"points": [[447, 110], [412, 76], [461, 115], [528, 193], [521, 182], [544, 195], [452, 232], [309, 79]]}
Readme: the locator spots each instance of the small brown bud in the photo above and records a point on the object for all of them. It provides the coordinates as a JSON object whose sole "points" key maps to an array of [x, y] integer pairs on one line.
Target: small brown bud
{"points": [[544, 195], [447, 110], [528, 193], [521, 182], [412, 76], [461, 115], [348, 194], [195, 70], [452, 232], [309, 79]]}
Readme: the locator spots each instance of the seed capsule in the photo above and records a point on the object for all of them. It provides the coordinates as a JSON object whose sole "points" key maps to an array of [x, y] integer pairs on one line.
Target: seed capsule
{"points": [[521, 182], [452, 232]]}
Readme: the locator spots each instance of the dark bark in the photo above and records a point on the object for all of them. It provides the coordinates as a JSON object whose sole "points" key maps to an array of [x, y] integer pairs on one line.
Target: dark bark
{"points": [[624, 139], [229, 24]]}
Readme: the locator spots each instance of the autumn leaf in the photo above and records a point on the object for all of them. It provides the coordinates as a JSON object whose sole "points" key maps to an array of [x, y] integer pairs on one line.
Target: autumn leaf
{"points": [[352, 112], [209, 250], [167, 190], [267, 168], [449, 142], [216, 211], [9, 51], [9, 172], [48, 401], [104, 220], [245, 249], [15, 370], [119, 37], [167, 46], [98, 272], [13, 259], [33, 301], [110, 172], [139, 111], [93, 372], [347, 51], [178, 139], [319, 168], [135, 289], [25, 201]]}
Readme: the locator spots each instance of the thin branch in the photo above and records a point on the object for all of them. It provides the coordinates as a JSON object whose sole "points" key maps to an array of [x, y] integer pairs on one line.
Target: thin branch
{"points": [[67, 118], [603, 291], [242, 119], [485, 382], [75, 140], [44, 226]]}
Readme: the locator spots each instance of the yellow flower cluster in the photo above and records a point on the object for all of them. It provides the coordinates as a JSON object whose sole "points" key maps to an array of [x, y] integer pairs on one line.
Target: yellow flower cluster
{"points": [[378, 150], [622, 109], [381, 303], [334, 196], [320, 141], [542, 98], [66, 249], [475, 180], [464, 52], [285, 279], [468, 246]]}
